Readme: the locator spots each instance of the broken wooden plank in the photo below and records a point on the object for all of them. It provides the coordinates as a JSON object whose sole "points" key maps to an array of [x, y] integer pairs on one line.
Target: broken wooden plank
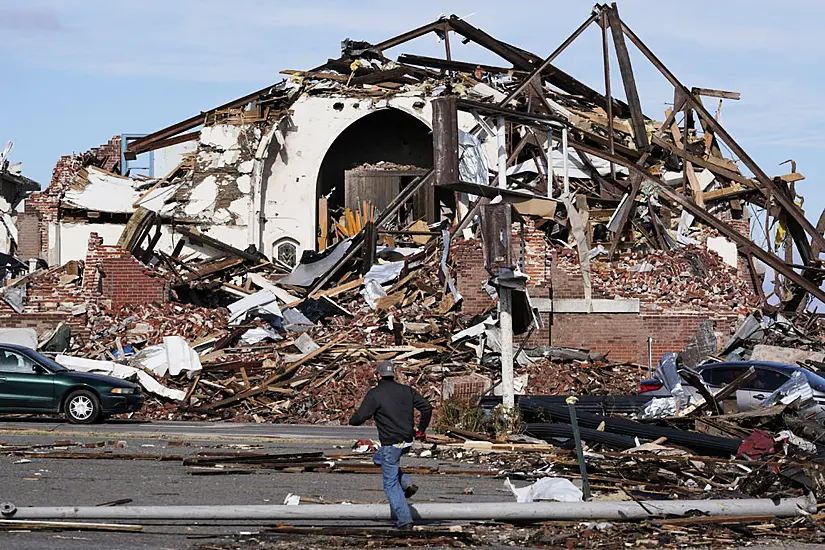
{"points": [[276, 377], [31, 525], [710, 92]]}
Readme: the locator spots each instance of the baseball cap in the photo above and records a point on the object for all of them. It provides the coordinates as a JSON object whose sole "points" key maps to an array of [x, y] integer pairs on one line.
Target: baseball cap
{"points": [[384, 368]]}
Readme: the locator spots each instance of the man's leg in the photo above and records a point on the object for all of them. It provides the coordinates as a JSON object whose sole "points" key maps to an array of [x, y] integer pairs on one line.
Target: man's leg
{"points": [[388, 458], [405, 480]]}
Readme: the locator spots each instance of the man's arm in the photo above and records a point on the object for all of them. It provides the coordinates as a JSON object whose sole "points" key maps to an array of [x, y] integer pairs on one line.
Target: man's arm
{"points": [[423, 406], [365, 411]]}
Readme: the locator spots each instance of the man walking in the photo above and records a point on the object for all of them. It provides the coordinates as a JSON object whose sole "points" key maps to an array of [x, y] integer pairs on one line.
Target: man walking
{"points": [[392, 405]]}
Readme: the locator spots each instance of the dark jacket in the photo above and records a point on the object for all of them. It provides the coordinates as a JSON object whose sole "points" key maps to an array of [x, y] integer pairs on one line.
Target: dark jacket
{"points": [[392, 404]]}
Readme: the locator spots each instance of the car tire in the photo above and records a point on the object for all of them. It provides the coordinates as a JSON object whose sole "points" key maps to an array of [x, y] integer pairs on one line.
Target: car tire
{"points": [[82, 407]]}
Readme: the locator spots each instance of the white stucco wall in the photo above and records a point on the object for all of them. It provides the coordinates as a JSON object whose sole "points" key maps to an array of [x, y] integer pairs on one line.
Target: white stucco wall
{"points": [[290, 204], [74, 239]]}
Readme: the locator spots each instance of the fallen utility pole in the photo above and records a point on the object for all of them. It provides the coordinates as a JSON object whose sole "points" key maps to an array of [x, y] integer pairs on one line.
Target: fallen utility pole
{"points": [[464, 511]]}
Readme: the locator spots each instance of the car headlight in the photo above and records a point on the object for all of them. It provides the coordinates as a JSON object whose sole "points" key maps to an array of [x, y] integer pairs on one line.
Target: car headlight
{"points": [[123, 390]]}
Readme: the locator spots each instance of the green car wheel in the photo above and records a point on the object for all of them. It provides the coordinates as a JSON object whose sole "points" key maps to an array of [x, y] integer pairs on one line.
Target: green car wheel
{"points": [[82, 407]]}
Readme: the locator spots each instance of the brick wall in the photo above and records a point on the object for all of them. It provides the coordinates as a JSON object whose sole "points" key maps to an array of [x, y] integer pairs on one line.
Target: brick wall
{"points": [[109, 273], [114, 274], [624, 336], [555, 273], [28, 233]]}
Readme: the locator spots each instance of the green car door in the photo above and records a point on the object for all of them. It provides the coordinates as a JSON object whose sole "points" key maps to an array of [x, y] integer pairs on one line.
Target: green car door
{"points": [[23, 384]]}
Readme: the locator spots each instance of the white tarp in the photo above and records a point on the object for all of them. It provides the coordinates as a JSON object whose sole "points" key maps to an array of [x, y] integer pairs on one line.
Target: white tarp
{"points": [[384, 273], [264, 301], [173, 356], [120, 371], [546, 488]]}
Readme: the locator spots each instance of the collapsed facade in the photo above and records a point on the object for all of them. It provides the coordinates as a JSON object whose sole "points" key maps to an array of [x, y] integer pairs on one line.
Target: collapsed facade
{"points": [[633, 232]]}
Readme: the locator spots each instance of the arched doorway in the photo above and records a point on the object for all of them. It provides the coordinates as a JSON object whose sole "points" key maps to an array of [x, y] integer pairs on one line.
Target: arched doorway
{"points": [[387, 135]]}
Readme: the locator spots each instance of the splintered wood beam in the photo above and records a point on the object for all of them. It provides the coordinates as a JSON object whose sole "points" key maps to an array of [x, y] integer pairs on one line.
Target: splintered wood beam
{"points": [[636, 182], [704, 163], [709, 92], [631, 92]]}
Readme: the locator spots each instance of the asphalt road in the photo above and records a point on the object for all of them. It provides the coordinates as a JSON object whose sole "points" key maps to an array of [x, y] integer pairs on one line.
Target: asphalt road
{"points": [[35, 481], [44, 481], [232, 430]]}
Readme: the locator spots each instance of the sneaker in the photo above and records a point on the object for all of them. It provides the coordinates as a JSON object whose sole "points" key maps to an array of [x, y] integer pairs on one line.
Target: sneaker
{"points": [[410, 490]]}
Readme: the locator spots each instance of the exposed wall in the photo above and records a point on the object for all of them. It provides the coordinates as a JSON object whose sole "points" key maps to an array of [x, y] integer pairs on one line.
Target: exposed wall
{"points": [[28, 232], [288, 180], [73, 238], [109, 273]]}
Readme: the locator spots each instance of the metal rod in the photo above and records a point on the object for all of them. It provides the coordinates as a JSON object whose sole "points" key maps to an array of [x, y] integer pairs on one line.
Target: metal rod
{"points": [[551, 180], [475, 511], [505, 321], [577, 438], [565, 152], [501, 138]]}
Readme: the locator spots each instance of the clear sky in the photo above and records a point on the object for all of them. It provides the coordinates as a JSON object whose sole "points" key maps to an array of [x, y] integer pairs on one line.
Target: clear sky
{"points": [[76, 72]]}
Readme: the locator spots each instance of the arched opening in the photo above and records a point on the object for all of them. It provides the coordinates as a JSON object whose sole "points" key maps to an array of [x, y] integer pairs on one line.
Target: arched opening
{"points": [[386, 135]]}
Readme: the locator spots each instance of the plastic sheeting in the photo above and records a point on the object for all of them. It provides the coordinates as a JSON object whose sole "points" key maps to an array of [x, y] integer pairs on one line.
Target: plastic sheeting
{"points": [[262, 302], [666, 372], [120, 371], [305, 274], [472, 164], [546, 488], [173, 356]]}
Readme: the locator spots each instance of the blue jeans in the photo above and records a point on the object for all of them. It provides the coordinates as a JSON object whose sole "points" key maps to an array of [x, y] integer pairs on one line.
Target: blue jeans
{"points": [[395, 481]]}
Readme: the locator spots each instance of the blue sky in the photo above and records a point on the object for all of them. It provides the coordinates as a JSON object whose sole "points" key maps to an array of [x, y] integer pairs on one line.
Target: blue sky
{"points": [[76, 72]]}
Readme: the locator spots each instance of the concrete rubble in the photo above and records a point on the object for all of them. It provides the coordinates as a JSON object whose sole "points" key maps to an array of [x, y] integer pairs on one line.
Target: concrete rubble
{"points": [[545, 238]]}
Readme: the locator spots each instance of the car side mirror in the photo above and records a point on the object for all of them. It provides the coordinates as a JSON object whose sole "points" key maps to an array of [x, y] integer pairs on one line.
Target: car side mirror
{"points": [[39, 369]]}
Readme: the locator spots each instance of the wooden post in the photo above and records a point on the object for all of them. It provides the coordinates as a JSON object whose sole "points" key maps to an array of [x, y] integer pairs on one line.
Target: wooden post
{"points": [[445, 148], [323, 223]]}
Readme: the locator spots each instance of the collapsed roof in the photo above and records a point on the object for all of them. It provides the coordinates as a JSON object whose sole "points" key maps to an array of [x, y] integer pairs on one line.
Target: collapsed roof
{"points": [[649, 173]]}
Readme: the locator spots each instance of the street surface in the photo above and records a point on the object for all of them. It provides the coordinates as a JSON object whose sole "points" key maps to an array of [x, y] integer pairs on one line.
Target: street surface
{"points": [[88, 482], [35, 481]]}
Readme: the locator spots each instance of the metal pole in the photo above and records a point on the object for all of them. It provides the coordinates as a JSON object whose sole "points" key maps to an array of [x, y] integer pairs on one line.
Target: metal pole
{"points": [[472, 511], [505, 321], [501, 139], [649, 355], [577, 438], [566, 169], [551, 179]]}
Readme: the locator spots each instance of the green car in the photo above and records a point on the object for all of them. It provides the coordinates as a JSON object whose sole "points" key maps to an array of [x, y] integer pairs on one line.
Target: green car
{"points": [[33, 383]]}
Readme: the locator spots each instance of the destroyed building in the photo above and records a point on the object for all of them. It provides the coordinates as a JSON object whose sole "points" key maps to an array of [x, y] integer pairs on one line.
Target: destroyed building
{"points": [[632, 232]]}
